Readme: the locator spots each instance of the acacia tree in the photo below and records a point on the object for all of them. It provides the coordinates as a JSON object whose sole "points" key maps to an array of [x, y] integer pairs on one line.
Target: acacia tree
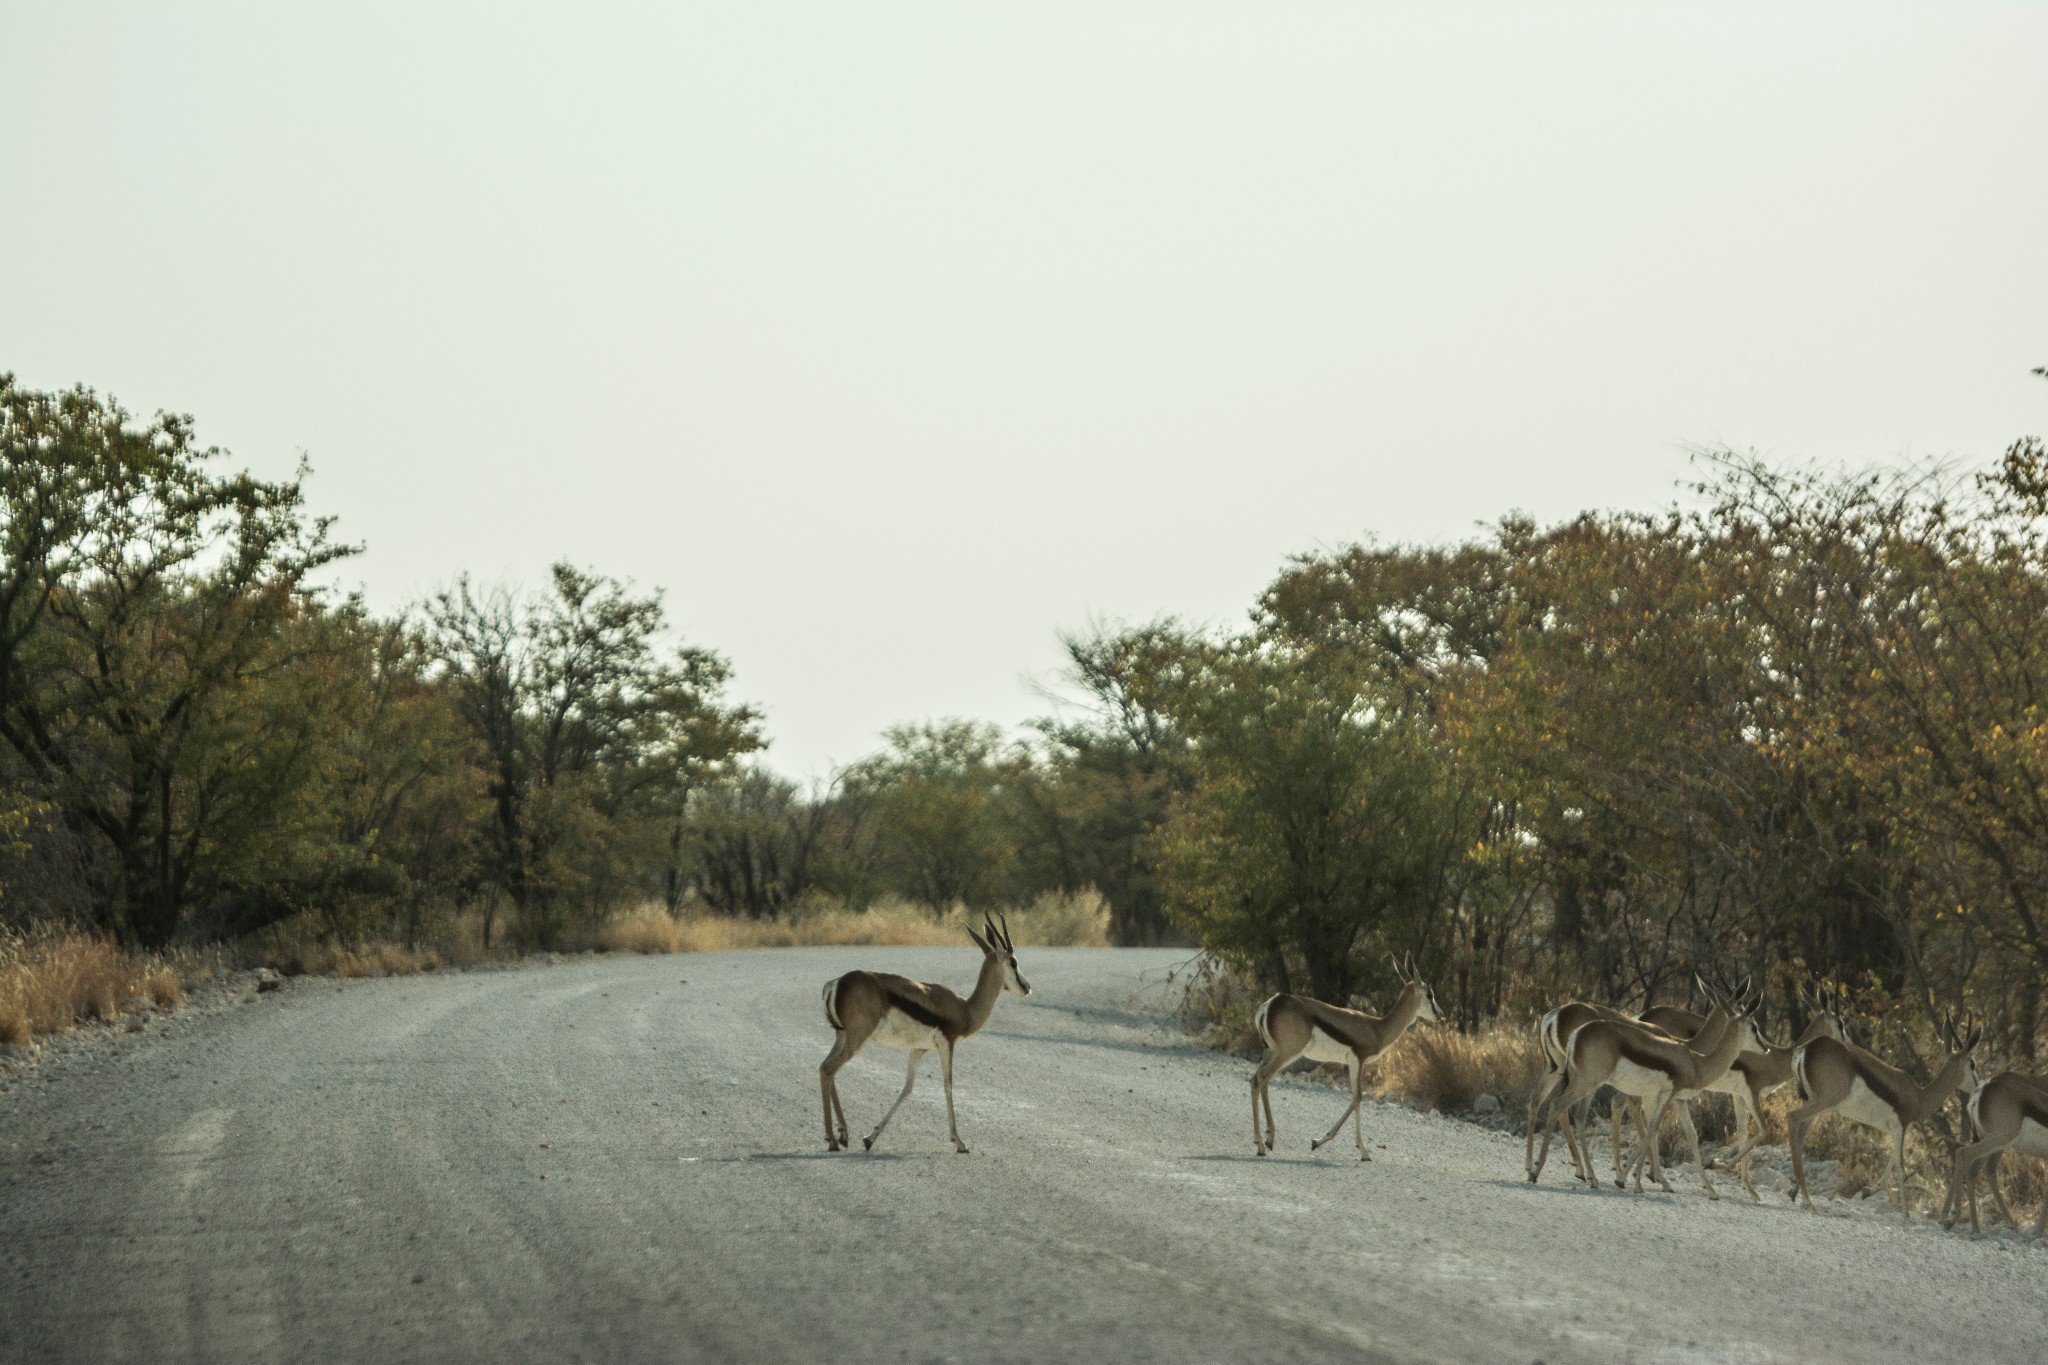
{"points": [[756, 843], [591, 737], [1320, 829], [156, 662], [936, 802], [1088, 816]]}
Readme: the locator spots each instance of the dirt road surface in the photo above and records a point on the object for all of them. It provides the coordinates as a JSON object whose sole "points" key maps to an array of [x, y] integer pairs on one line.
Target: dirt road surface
{"points": [[621, 1159]]}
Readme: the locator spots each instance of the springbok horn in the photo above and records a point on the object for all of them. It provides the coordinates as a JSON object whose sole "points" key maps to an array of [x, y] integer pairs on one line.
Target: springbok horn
{"points": [[1008, 945]]}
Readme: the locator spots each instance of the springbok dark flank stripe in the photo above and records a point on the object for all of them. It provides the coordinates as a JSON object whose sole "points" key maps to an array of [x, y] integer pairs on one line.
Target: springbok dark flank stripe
{"points": [[916, 1017], [1294, 1026]]}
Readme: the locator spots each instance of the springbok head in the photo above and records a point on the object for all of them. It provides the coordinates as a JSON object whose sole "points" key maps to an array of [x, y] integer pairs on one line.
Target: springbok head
{"points": [[995, 945], [1404, 968]]}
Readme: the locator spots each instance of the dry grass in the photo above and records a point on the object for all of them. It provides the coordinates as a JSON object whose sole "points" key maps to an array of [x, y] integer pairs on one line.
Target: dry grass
{"points": [[50, 983], [1437, 1067], [299, 947], [164, 985], [1048, 922]]}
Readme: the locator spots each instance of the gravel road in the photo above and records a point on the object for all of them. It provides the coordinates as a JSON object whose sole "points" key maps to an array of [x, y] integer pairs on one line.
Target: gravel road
{"points": [[621, 1159]]}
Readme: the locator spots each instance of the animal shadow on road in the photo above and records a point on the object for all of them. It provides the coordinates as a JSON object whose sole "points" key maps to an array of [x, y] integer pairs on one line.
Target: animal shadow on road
{"points": [[1267, 1160], [836, 1156], [1578, 1187]]}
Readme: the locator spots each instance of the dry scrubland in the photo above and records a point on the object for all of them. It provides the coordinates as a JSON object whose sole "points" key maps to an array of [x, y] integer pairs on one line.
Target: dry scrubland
{"points": [[1439, 1068], [51, 983], [54, 981]]}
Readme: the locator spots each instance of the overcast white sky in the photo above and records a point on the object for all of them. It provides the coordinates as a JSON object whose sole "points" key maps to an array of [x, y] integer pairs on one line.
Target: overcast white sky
{"points": [[893, 339]]}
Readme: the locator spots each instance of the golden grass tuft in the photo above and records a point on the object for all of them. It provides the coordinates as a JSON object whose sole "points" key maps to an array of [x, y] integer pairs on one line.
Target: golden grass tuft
{"points": [[1049, 922], [53, 982], [1436, 1067], [650, 929], [163, 985]]}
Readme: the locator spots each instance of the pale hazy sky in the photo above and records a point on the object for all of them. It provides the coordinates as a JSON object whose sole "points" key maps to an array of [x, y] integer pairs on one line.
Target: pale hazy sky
{"points": [[893, 339]]}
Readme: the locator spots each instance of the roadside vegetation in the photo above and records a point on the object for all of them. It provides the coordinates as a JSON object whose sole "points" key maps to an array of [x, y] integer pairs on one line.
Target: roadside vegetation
{"points": [[1789, 729]]}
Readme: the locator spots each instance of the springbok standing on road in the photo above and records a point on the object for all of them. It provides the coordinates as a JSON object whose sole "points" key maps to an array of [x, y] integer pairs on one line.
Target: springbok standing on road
{"points": [[1554, 1033], [2009, 1110], [1649, 1065], [915, 1016], [1755, 1075], [1840, 1077], [1295, 1026]]}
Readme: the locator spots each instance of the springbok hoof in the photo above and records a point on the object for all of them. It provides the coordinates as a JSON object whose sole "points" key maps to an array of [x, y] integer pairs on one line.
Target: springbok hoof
{"points": [[867, 1144], [960, 1151]]}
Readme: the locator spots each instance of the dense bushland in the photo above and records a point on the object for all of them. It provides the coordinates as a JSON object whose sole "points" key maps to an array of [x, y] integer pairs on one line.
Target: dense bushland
{"points": [[1795, 731], [203, 742], [1793, 728]]}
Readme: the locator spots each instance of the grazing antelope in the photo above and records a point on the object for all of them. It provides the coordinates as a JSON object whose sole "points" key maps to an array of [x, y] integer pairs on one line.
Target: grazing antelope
{"points": [[1295, 1026], [2009, 1110], [915, 1016], [1645, 1064], [1840, 1077]]}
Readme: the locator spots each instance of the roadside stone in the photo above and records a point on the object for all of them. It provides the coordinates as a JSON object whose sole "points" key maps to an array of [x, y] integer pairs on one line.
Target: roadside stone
{"points": [[1486, 1105], [134, 1023], [12, 1050]]}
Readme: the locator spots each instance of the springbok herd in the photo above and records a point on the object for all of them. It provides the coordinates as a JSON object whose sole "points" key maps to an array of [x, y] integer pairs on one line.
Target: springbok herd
{"points": [[1655, 1061]]}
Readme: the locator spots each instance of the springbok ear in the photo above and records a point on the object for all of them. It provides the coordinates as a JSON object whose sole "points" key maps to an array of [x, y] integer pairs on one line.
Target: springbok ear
{"points": [[980, 942]]}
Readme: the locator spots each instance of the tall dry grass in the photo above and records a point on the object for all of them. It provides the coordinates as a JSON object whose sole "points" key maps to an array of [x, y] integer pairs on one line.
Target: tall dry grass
{"points": [[300, 947], [1437, 1067], [52, 982], [1051, 921]]}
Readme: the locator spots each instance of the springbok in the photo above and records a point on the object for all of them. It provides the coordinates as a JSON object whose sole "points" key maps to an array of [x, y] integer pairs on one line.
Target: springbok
{"points": [[1294, 1026], [1648, 1065], [2009, 1110], [1839, 1077], [1755, 1075], [918, 1017], [1554, 1033]]}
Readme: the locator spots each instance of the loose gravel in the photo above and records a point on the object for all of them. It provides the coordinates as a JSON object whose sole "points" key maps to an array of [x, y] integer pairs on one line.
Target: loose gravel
{"points": [[622, 1159]]}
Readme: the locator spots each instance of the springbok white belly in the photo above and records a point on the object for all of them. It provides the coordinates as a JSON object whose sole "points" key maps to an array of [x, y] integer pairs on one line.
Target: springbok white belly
{"points": [[1865, 1107], [1323, 1048], [2033, 1139], [900, 1031], [1642, 1081]]}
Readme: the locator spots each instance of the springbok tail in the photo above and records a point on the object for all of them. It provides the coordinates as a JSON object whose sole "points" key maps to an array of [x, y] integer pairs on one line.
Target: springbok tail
{"points": [[832, 1005], [1553, 1046], [1259, 1020]]}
